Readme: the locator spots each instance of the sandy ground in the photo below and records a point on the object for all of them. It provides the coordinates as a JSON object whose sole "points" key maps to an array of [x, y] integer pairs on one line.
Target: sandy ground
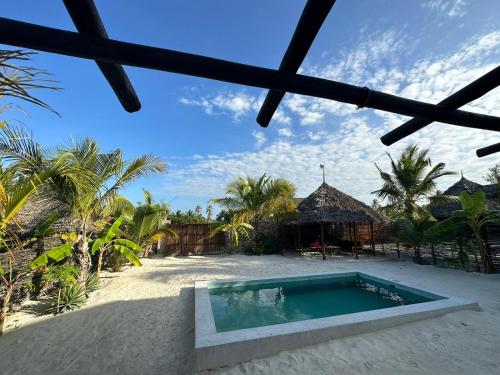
{"points": [[141, 322]]}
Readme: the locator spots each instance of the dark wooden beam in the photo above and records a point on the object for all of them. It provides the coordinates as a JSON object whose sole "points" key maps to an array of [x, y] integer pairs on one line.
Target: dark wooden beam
{"points": [[469, 93], [87, 20], [313, 16], [485, 151], [69, 43]]}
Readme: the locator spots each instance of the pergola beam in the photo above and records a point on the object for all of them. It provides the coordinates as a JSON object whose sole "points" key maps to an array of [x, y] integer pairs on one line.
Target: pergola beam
{"points": [[87, 20], [69, 43], [311, 20], [485, 151], [469, 93]]}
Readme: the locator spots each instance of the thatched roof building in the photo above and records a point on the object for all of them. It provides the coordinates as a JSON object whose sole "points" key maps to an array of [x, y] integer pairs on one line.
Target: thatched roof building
{"points": [[329, 205], [445, 210]]}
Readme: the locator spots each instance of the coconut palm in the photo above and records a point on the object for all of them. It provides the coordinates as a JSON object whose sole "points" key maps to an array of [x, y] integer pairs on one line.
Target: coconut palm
{"points": [[17, 81], [253, 199], [92, 186], [15, 190], [475, 214], [235, 229], [412, 183], [148, 223]]}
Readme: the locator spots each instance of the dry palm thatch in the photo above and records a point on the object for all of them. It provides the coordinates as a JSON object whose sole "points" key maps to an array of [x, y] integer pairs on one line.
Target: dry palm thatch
{"points": [[446, 209], [329, 205]]}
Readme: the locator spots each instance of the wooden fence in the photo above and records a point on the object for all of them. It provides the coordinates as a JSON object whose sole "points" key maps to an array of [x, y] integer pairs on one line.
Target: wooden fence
{"points": [[192, 239]]}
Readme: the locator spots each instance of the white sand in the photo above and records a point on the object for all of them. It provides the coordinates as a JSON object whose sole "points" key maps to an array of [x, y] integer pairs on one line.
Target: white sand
{"points": [[141, 322]]}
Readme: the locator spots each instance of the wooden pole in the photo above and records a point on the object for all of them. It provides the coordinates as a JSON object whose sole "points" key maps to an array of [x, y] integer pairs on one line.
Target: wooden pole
{"points": [[87, 20], [485, 151], [300, 240], [372, 241], [356, 249], [313, 16], [323, 241], [69, 43], [471, 92]]}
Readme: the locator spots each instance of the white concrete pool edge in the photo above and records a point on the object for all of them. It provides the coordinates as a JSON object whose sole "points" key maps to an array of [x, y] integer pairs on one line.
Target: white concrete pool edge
{"points": [[213, 349]]}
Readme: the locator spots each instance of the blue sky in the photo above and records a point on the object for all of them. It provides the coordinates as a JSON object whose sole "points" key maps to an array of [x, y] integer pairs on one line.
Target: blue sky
{"points": [[206, 130]]}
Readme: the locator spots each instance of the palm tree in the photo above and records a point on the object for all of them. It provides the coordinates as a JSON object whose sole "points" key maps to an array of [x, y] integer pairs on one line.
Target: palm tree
{"points": [[253, 199], [412, 182], [235, 229], [92, 184], [148, 223], [15, 190], [18, 81], [475, 214]]}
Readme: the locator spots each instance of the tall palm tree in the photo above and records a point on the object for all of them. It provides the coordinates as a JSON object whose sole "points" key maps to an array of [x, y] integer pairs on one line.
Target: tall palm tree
{"points": [[254, 199], [92, 184], [18, 80], [148, 223], [412, 182], [15, 190]]}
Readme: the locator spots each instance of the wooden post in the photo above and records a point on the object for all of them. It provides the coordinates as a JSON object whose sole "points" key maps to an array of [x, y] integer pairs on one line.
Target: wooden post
{"points": [[323, 241], [372, 241], [300, 240], [356, 249]]}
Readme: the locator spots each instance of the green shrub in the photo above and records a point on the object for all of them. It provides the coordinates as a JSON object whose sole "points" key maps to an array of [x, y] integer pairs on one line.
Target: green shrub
{"points": [[116, 261], [62, 276], [67, 298], [91, 283], [270, 243]]}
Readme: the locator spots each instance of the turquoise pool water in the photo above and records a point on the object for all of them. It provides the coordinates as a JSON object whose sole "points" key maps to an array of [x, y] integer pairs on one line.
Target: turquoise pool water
{"points": [[239, 305]]}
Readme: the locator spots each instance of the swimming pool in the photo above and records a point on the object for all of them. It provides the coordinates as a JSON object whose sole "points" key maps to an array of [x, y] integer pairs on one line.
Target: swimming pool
{"points": [[239, 320], [248, 305]]}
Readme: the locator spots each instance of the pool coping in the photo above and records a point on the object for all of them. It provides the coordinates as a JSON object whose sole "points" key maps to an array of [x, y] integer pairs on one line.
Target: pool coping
{"points": [[216, 349]]}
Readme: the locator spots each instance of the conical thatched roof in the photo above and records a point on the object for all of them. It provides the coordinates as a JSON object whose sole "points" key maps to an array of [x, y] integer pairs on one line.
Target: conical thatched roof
{"points": [[445, 210], [329, 205]]}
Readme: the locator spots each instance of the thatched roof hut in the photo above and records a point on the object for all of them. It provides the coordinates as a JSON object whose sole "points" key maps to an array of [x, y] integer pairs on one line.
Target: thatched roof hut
{"points": [[445, 210], [329, 205]]}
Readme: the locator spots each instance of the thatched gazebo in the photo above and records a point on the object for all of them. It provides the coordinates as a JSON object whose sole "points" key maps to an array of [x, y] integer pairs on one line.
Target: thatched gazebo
{"points": [[327, 206]]}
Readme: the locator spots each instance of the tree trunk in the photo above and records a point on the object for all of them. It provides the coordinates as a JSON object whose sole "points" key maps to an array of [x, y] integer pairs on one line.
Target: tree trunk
{"points": [[397, 249], [99, 264], [433, 254], [82, 255], [485, 256], [5, 306], [417, 254]]}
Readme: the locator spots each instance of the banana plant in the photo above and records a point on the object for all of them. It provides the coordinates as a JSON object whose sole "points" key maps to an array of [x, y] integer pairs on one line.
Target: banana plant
{"points": [[475, 214], [110, 240]]}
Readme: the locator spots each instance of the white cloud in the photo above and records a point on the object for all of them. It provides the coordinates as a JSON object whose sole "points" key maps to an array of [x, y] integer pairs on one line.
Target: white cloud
{"points": [[260, 138], [285, 132], [349, 149], [451, 8], [236, 104]]}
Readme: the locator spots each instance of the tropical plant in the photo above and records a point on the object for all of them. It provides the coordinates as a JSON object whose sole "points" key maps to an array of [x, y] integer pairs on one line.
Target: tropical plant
{"points": [[92, 185], [411, 183], [15, 190], [415, 233], [475, 214], [17, 81], [253, 199], [110, 241], [148, 223], [235, 229], [67, 298]]}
